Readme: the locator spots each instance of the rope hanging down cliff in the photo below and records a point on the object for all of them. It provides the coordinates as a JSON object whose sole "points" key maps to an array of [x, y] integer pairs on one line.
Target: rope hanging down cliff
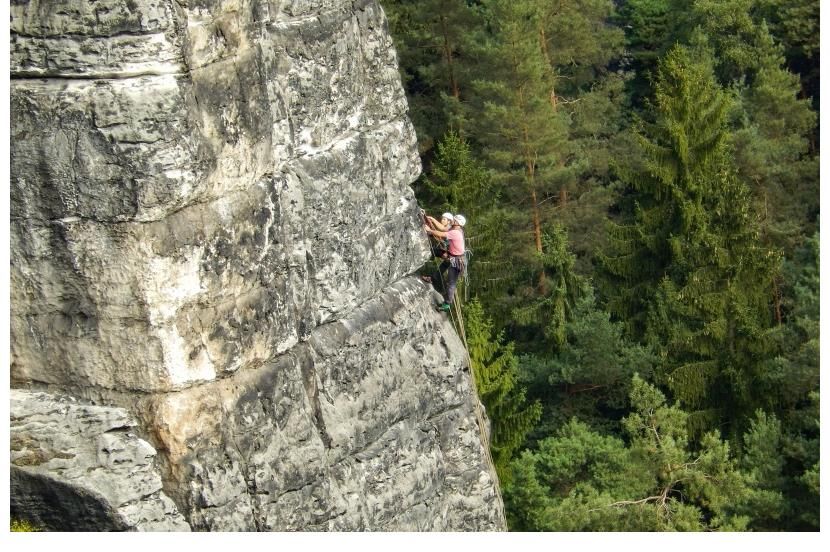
{"points": [[459, 320], [455, 259]]}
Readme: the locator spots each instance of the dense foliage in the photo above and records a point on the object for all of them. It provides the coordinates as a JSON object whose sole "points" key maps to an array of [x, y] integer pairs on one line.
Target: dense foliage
{"points": [[640, 179]]}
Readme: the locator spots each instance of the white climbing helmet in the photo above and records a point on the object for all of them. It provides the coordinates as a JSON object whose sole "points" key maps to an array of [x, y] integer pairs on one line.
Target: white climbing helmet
{"points": [[447, 216], [460, 220]]}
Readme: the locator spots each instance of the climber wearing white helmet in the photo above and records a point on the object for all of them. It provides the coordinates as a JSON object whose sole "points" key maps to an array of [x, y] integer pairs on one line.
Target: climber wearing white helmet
{"points": [[440, 246], [455, 263], [444, 224]]}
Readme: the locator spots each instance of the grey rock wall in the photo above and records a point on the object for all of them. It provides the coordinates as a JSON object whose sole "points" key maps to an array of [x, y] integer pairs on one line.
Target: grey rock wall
{"points": [[82, 467], [185, 215], [211, 226], [368, 425]]}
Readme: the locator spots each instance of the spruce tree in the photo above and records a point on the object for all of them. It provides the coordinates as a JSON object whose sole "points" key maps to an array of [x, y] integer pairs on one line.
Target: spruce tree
{"points": [[773, 122], [694, 280], [795, 25], [680, 155], [494, 367], [458, 181], [547, 314]]}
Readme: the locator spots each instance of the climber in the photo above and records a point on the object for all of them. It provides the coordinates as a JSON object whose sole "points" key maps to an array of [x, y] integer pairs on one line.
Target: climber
{"points": [[454, 264], [440, 246]]}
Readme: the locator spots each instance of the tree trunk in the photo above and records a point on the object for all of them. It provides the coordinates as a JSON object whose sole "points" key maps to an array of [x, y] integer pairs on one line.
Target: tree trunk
{"points": [[530, 163], [537, 233], [537, 226], [448, 54], [543, 43], [776, 294]]}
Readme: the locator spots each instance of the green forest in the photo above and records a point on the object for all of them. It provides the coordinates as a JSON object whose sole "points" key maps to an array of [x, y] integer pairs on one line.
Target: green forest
{"points": [[640, 180]]}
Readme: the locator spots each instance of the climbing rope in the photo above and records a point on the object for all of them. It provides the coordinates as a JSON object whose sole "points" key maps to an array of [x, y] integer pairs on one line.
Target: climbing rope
{"points": [[459, 321], [465, 276]]}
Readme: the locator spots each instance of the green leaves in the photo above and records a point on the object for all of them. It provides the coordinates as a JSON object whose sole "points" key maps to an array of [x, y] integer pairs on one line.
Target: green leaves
{"points": [[694, 225]]}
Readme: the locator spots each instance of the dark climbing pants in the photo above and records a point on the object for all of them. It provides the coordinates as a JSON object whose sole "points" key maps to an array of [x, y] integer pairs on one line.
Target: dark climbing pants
{"points": [[454, 267]]}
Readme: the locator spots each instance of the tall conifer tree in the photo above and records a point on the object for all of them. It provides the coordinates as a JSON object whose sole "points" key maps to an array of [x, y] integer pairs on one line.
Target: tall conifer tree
{"points": [[693, 277], [436, 43], [523, 136]]}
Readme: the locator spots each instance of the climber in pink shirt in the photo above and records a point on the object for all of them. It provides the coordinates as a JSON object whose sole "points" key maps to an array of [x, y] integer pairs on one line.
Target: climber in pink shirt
{"points": [[455, 264]]}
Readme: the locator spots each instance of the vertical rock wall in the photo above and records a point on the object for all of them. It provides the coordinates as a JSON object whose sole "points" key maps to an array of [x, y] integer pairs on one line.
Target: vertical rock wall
{"points": [[211, 225]]}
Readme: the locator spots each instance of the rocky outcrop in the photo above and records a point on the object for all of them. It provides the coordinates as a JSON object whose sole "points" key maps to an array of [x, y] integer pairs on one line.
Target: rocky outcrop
{"points": [[211, 227], [82, 467]]}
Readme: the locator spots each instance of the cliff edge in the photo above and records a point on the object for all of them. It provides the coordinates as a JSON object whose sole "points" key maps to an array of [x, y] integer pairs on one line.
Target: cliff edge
{"points": [[211, 235]]}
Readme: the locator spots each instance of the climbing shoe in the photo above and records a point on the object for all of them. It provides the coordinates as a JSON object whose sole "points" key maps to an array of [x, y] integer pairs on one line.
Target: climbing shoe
{"points": [[443, 307]]}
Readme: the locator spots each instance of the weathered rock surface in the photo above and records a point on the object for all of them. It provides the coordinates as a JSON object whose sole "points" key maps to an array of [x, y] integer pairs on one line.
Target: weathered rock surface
{"points": [[368, 425], [211, 226], [82, 468], [201, 214]]}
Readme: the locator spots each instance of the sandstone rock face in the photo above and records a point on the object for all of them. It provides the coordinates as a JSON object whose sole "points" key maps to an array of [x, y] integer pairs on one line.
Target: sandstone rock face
{"points": [[82, 467], [368, 425], [212, 227], [196, 186]]}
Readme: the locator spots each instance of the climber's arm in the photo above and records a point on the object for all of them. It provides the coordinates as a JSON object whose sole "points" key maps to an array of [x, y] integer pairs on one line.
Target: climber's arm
{"points": [[434, 232]]}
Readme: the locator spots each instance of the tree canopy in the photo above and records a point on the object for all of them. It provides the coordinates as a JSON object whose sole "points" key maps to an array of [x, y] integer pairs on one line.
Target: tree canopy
{"points": [[641, 184]]}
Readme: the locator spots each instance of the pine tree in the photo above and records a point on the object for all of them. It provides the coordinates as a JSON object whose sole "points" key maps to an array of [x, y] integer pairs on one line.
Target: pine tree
{"points": [[523, 136], [579, 44], [583, 49], [436, 44], [550, 106], [795, 375], [706, 479], [763, 462], [494, 368], [795, 25], [781, 465], [579, 480], [589, 377]]}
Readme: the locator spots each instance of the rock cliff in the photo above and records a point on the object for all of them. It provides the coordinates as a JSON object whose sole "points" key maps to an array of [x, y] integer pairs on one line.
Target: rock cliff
{"points": [[211, 235]]}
